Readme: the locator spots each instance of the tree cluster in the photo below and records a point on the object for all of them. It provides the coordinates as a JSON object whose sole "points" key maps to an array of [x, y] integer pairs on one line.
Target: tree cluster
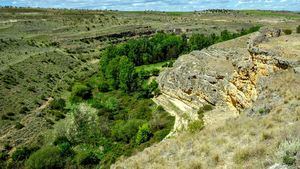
{"points": [[117, 65]]}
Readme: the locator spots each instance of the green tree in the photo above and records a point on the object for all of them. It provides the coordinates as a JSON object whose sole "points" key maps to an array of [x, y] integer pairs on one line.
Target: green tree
{"points": [[126, 130], [144, 134], [83, 126], [298, 29], [112, 72], [45, 158], [226, 35], [79, 92], [126, 74]]}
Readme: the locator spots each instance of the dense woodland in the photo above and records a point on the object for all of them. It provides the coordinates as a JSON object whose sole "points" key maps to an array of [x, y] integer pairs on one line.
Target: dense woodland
{"points": [[112, 114]]}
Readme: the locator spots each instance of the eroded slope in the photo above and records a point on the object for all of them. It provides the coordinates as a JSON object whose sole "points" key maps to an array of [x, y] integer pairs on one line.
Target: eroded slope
{"points": [[255, 90]]}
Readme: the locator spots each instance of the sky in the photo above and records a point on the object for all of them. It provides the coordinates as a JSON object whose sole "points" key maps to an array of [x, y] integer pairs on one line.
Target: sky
{"points": [[159, 5]]}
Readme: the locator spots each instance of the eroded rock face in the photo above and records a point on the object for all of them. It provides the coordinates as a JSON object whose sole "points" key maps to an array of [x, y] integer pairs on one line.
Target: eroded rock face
{"points": [[223, 76], [269, 94]]}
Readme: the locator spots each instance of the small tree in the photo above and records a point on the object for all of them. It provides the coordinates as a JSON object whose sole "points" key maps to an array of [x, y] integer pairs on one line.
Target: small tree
{"points": [[126, 74], [143, 134], [47, 157], [79, 92]]}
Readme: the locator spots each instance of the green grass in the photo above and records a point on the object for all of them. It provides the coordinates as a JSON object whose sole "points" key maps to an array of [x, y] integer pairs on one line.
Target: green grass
{"points": [[288, 15], [151, 67]]}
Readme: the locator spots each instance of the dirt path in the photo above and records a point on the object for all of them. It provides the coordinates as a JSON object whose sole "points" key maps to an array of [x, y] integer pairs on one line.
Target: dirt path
{"points": [[44, 105]]}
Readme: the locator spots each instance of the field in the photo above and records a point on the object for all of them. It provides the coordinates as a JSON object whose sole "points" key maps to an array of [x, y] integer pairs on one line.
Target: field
{"points": [[44, 52]]}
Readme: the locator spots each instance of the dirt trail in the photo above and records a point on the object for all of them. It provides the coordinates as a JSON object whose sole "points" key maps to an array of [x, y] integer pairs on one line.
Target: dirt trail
{"points": [[44, 105]]}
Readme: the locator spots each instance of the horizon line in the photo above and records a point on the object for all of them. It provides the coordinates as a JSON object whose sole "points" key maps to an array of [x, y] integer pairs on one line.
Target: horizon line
{"points": [[146, 10]]}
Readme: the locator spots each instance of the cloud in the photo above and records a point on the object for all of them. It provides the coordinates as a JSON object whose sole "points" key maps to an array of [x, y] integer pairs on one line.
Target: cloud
{"points": [[162, 5]]}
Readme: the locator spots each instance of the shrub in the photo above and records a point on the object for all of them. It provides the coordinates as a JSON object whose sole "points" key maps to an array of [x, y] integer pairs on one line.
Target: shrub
{"points": [[79, 92], [112, 104], [83, 126], [196, 126], [61, 140], [87, 158], [287, 151], [289, 160], [58, 114], [11, 114], [143, 134], [3, 156], [46, 157], [125, 131], [24, 110], [64, 145], [22, 153], [263, 111], [298, 29], [287, 31], [204, 109], [19, 125], [103, 86], [161, 134], [207, 107], [58, 104]]}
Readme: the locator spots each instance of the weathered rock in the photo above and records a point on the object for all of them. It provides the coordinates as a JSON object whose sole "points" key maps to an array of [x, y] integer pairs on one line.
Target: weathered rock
{"points": [[278, 166], [222, 76]]}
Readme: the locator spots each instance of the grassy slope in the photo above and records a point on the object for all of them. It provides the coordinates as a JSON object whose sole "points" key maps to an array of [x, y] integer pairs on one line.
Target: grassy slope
{"points": [[31, 66]]}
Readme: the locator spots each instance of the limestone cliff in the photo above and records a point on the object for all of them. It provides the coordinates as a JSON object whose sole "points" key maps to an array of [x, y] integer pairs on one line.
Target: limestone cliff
{"points": [[225, 77], [253, 84]]}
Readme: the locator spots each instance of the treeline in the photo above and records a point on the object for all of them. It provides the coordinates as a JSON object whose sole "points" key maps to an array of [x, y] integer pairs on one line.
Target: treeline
{"points": [[118, 61]]}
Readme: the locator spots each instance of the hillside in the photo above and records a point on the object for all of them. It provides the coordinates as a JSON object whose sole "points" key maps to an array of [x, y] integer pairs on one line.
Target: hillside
{"points": [[87, 88], [253, 87]]}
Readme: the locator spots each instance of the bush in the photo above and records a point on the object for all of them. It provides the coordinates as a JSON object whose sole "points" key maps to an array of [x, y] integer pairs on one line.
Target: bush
{"points": [[24, 110], [64, 145], [298, 29], [143, 134], [58, 114], [103, 86], [22, 153], [125, 131], [196, 126], [19, 125], [112, 104], [161, 134], [3, 156], [84, 125], [87, 158], [46, 157], [207, 107], [287, 31], [288, 150], [58, 104], [289, 160], [79, 92]]}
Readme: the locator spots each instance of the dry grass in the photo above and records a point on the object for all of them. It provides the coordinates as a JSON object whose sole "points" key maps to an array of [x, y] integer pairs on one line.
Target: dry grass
{"points": [[244, 142]]}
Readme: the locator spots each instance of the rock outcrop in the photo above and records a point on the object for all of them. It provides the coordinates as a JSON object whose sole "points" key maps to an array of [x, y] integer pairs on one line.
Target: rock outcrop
{"points": [[253, 84], [224, 77]]}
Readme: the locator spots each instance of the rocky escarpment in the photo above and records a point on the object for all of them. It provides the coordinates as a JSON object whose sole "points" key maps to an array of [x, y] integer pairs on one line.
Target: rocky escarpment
{"points": [[257, 84], [225, 77]]}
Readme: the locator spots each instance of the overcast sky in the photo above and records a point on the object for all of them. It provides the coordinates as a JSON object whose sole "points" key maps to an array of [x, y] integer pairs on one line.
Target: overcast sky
{"points": [[161, 5]]}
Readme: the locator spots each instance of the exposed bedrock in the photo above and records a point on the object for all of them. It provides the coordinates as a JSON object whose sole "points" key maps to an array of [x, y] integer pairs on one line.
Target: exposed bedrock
{"points": [[224, 75]]}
